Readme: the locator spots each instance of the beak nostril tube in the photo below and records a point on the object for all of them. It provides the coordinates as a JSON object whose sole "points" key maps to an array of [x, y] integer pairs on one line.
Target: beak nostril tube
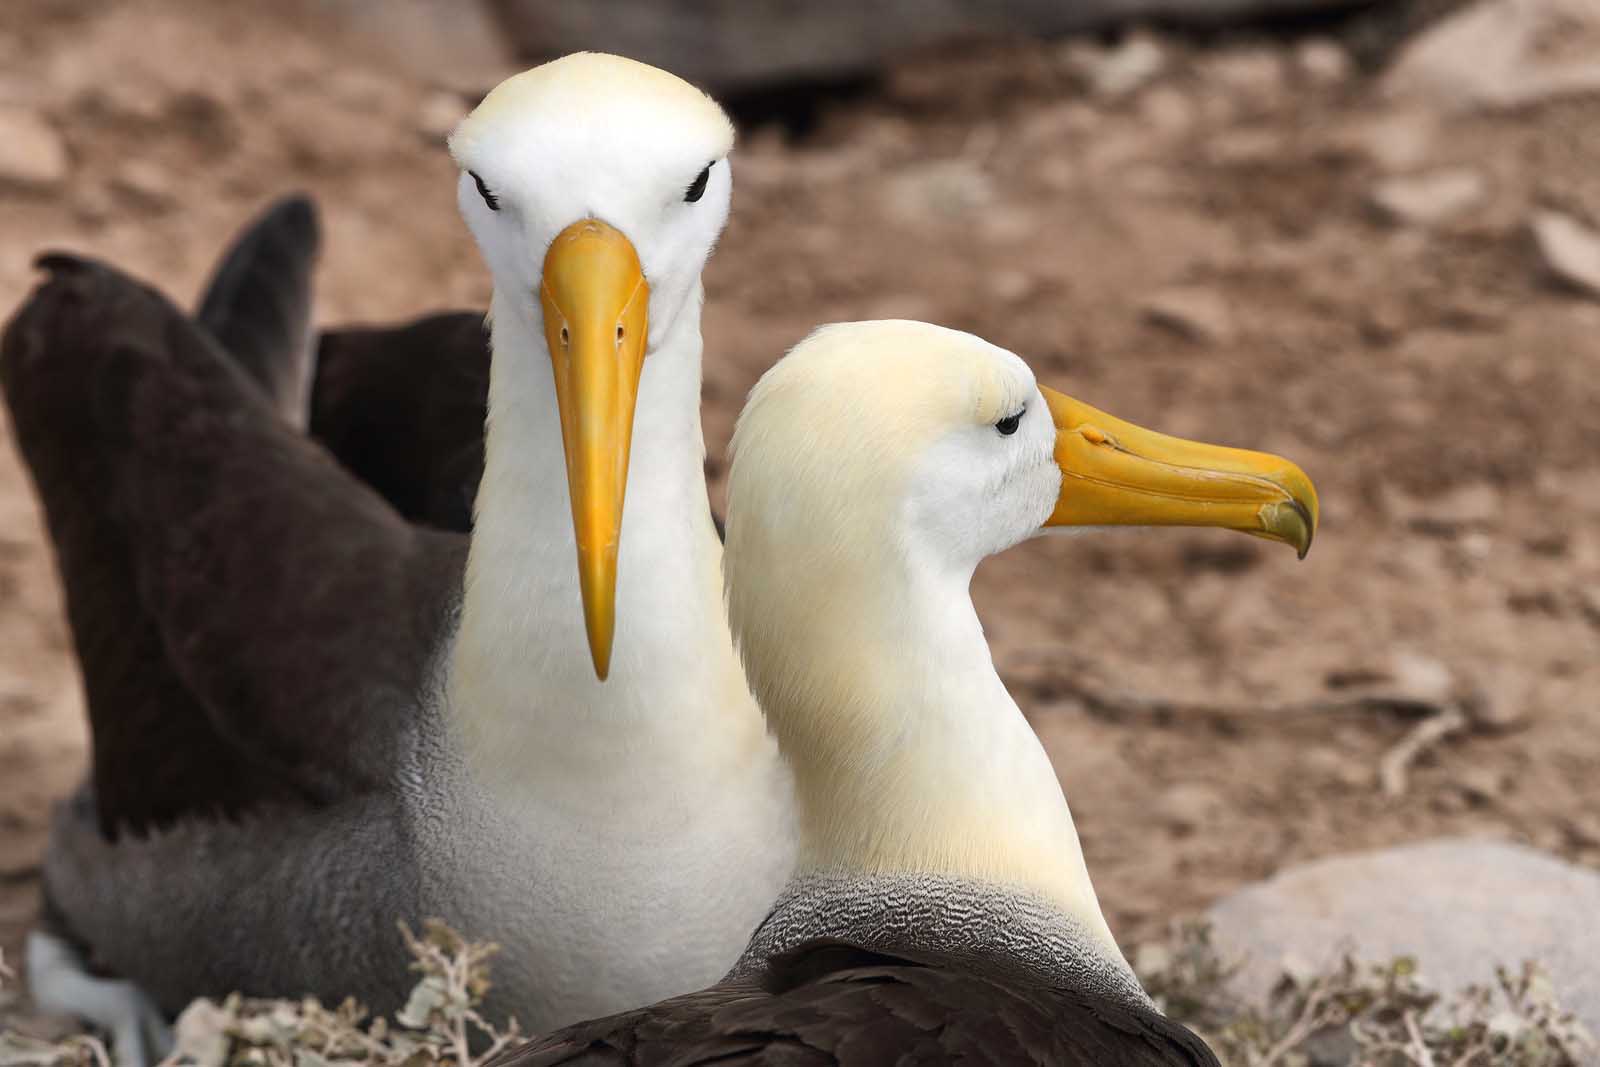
{"points": [[1117, 474]]}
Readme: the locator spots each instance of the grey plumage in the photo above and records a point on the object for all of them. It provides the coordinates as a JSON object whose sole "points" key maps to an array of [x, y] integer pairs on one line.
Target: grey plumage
{"points": [[852, 972], [256, 632], [258, 303], [928, 913]]}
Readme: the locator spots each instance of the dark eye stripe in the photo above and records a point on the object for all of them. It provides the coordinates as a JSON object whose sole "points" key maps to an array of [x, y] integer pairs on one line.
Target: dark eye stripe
{"points": [[697, 188], [483, 191]]}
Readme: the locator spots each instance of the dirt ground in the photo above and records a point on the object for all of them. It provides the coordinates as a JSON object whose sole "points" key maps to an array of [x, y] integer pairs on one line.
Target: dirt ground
{"points": [[1201, 254]]}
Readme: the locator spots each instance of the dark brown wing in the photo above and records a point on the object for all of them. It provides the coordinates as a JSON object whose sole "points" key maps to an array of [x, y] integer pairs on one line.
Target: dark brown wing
{"points": [[837, 1004], [403, 408], [252, 623], [258, 302]]}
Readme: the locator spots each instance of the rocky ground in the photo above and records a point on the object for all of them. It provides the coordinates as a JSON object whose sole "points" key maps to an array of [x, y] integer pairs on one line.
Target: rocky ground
{"points": [[1392, 277]]}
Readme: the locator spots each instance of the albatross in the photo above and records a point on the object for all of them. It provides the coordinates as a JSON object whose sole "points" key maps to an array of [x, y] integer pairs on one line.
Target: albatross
{"points": [[312, 718], [941, 910]]}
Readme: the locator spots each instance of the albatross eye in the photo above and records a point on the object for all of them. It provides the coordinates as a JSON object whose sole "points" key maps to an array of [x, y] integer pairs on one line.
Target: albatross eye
{"points": [[483, 191], [1008, 425], [697, 188]]}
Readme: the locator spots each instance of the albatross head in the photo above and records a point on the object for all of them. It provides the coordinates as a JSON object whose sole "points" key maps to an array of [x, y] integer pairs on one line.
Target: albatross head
{"points": [[595, 187], [873, 468]]}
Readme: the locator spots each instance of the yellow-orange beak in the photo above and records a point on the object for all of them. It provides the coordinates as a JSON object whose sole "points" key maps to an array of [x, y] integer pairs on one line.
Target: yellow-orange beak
{"points": [[1114, 473], [596, 304]]}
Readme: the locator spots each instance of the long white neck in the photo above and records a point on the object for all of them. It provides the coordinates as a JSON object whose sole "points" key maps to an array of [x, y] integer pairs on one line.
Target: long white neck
{"points": [[910, 757], [523, 698]]}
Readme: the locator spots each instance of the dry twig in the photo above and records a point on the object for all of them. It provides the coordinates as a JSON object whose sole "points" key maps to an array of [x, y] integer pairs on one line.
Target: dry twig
{"points": [[1395, 765]]}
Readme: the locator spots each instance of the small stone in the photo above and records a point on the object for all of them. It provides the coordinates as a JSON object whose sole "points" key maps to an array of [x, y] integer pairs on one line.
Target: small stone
{"points": [[1188, 806], [32, 153], [1422, 678], [1397, 141], [1198, 314], [1431, 198], [1254, 75], [1481, 785], [1495, 701], [1012, 286], [951, 189], [1118, 71], [439, 114], [1569, 249], [1475, 545], [144, 182], [1385, 320], [1322, 62]]}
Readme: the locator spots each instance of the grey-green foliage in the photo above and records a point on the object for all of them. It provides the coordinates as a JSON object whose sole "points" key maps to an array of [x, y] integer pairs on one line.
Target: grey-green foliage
{"points": [[440, 1025], [1361, 1014], [1357, 1014]]}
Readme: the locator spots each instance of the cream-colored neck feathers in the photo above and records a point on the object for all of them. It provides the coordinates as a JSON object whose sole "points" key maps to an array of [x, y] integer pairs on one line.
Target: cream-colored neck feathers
{"points": [[522, 693], [909, 755], [852, 612]]}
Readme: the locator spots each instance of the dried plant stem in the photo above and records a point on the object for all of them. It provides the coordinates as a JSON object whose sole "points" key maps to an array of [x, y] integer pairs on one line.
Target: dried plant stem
{"points": [[1395, 766], [1308, 1022]]}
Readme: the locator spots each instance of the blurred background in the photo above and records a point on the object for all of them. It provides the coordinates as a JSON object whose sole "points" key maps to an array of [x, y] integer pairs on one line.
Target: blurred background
{"points": [[1362, 235]]}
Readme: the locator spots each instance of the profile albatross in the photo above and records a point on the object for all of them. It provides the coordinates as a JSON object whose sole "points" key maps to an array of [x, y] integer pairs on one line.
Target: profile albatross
{"points": [[312, 718], [941, 910]]}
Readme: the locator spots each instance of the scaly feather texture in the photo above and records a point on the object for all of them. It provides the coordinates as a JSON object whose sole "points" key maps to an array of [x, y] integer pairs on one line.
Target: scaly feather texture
{"points": [[834, 1004]]}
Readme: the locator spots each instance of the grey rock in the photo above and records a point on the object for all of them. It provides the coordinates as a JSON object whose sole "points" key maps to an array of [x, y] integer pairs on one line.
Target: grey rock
{"points": [[145, 183], [439, 114], [1497, 54], [1119, 70], [1188, 806], [455, 44], [1396, 140], [1569, 249], [1423, 678], [32, 153], [728, 45], [1431, 198], [1460, 906], [939, 190], [1322, 62]]}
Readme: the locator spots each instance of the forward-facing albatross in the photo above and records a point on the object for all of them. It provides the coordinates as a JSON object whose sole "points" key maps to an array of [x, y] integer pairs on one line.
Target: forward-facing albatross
{"points": [[941, 910], [312, 718]]}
